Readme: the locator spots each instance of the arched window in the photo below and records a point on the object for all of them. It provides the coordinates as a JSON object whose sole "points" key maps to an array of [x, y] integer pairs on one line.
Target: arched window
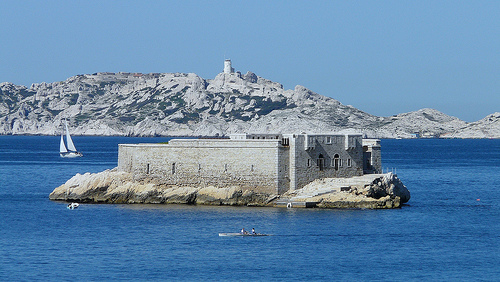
{"points": [[336, 161]]}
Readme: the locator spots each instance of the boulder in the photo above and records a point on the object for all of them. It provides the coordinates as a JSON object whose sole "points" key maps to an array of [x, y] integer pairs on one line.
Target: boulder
{"points": [[371, 191]]}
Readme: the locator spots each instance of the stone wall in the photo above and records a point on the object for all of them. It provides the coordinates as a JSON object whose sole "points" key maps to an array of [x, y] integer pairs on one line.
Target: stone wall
{"points": [[319, 159], [275, 166], [283, 161], [372, 156], [248, 164]]}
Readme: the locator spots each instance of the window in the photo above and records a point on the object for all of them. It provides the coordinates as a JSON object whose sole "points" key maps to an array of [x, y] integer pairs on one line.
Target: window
{"points": [[328, 140], [147, 169], [173, 168], [309, 161], [336, 161], [320, 162], [349, 162], [285, 142]]}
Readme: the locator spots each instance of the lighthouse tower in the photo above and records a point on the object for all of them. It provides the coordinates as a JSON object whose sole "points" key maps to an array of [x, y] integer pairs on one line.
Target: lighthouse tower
{"points": [[227, 66]]}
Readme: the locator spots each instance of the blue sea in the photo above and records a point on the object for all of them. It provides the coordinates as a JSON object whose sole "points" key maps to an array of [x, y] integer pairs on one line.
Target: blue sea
{"points": [[450, 229]]}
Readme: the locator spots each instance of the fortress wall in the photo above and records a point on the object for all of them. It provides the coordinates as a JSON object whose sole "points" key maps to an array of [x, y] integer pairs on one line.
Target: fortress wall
{"points": [[306, 161], [372, 159], [376, 160], [261, 165], [249, 164], [283, 169]]}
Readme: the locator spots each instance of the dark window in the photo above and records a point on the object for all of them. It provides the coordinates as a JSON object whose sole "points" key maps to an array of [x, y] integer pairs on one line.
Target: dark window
{"points": [[285, 141], [320, 162], [336, 161]]}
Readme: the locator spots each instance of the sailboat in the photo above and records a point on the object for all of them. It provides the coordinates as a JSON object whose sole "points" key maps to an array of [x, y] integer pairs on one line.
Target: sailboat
{"points": [[70, 151]]}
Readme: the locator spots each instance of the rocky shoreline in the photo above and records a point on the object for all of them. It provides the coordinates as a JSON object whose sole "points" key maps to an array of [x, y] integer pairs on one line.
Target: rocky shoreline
{"points": [[370, 191], [374, 191]]}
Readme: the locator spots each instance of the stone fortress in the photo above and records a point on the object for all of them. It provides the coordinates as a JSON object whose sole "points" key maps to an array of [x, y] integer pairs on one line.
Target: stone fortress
{"points": [[263, 163], [326, 170]]}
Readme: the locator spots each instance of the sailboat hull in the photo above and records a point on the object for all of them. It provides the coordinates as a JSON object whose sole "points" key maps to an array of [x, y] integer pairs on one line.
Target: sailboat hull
{"points": [[71, 155]]}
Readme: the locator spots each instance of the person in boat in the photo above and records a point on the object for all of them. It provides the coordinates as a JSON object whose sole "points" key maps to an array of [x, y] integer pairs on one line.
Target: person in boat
{"points": [[243, 231], [253, 231]]}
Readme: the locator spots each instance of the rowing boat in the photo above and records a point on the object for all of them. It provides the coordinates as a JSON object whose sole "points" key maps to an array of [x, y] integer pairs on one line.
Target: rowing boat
{"points": [[242, 234]]}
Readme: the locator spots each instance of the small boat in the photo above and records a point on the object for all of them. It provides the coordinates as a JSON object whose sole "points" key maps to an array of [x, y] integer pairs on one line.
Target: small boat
{"points": [[73, 206], [70, 151], [241, 234]]}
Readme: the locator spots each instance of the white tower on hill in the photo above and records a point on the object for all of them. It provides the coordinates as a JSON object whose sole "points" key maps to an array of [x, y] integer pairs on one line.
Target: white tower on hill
{"points": [[227, 66]]}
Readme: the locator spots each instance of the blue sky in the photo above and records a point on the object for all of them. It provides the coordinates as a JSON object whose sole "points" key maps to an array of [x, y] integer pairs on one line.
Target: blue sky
{"points": [[383, 57]]}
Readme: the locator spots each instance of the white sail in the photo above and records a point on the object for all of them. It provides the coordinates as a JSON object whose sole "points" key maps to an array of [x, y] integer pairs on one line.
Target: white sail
{"points": [[62, 147], [71, 146], [68, 151]]}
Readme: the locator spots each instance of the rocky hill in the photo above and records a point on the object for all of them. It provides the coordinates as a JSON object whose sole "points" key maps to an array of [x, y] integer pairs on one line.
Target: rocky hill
{"points": [[175, 104], [488, 127]]}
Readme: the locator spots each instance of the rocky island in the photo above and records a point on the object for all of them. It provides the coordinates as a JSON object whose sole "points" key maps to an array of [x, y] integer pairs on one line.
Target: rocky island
{"points": [[292, 170], [379, 191]]}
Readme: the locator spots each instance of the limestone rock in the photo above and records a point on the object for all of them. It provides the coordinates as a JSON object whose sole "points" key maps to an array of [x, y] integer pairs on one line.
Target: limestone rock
{"points": [[357, 203], [488, 127], [370, 191], [113, 186], [174, 104]]}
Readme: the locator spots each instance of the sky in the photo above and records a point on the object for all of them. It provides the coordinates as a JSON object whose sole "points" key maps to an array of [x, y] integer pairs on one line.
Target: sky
{"points": [[382, 57]]}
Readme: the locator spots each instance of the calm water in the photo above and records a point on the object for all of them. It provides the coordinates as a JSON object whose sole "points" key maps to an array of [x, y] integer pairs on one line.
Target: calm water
{"points": [[449, 231]]}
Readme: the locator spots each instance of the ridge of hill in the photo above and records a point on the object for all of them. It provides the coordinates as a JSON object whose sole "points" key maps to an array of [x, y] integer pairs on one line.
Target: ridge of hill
{"points": [[179, 104]]}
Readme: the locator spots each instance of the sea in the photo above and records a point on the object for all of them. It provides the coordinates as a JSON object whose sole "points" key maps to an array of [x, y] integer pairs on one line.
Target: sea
{"points": [[448, 231]]}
